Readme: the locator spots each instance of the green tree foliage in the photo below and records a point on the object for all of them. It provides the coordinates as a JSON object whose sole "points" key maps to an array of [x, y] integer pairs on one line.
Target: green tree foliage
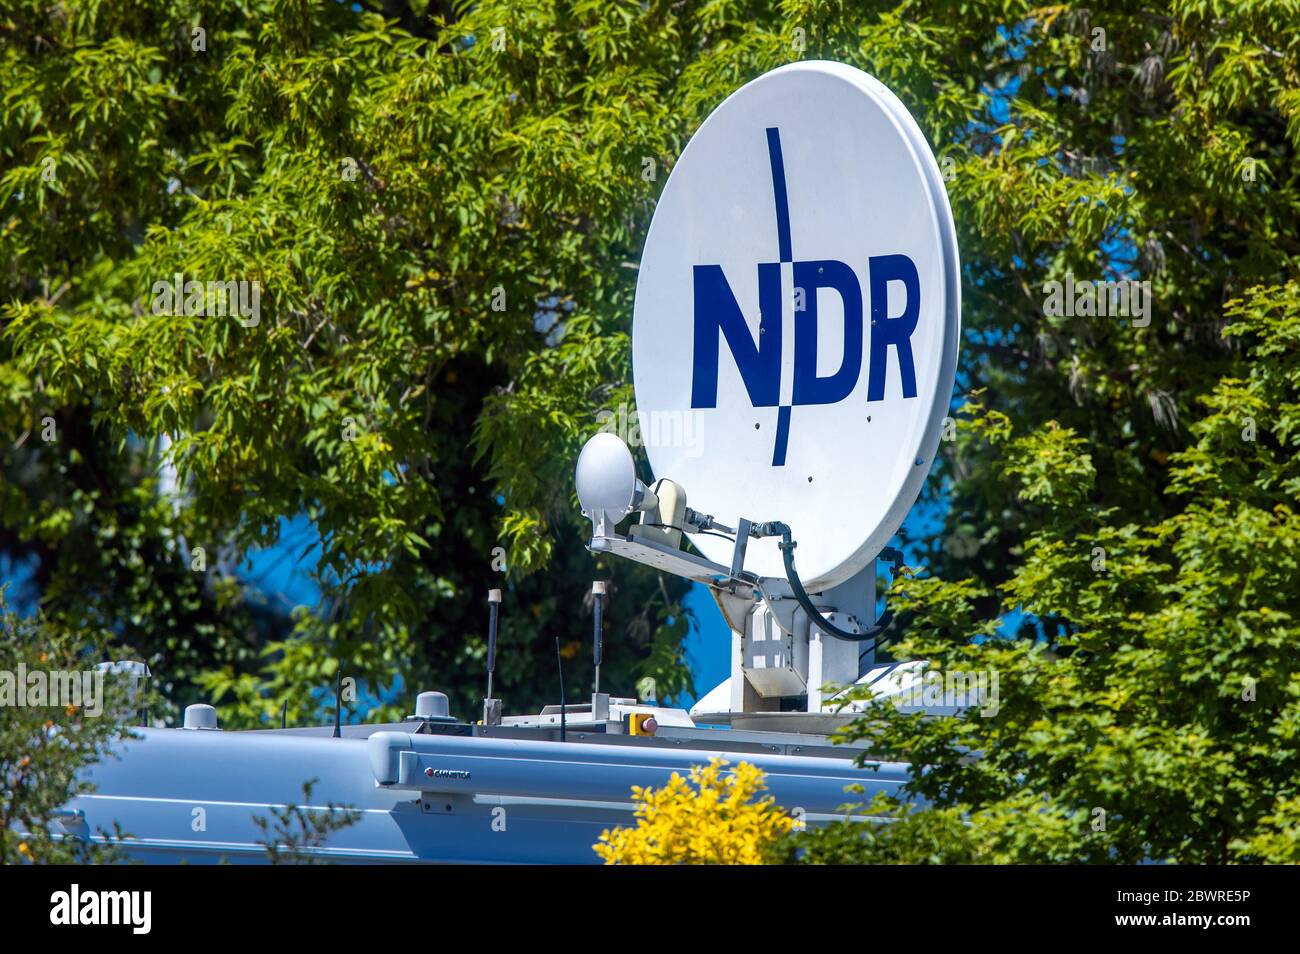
{"points": [[44, 746], [295, 834], [501, 153], [441, 223]]}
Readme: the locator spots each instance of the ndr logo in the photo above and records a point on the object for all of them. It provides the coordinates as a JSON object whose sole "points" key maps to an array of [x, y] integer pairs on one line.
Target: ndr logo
{"points": [[717, 314]]}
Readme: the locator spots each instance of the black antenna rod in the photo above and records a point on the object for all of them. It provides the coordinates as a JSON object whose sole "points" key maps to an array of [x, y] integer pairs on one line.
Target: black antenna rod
{"points": [[491, 705], [494, 610], [338, 705], [559, 661], [597, 607], [284, 714]]}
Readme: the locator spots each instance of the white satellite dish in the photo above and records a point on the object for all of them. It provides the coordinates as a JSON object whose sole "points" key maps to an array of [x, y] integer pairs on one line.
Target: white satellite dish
{"points": [[799, 305]]}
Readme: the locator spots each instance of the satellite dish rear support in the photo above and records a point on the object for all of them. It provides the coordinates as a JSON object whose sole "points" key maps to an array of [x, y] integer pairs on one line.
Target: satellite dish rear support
{"points": [[780, 656]]}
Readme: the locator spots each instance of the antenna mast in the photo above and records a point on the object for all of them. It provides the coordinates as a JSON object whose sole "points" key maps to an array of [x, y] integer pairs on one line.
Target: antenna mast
{"points": [[597, 601], [491, 705]]}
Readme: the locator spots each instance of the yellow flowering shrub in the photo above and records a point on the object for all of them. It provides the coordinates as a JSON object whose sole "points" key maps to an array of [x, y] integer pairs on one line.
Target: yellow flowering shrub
{"points": [[713, 819]]}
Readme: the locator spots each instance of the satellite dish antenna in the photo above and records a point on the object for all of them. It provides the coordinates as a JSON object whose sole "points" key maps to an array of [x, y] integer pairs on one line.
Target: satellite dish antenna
{"points": [[794, 345], [797, 319]]}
